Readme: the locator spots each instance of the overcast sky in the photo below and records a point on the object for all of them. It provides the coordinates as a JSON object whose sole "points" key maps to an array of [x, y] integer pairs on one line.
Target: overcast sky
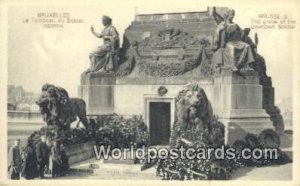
{"points": [[37, 55]]}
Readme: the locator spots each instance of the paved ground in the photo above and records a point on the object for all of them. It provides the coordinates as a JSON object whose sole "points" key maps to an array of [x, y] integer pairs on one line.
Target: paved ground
{"points": [[110, 171], [125, 171], [132, 172]]}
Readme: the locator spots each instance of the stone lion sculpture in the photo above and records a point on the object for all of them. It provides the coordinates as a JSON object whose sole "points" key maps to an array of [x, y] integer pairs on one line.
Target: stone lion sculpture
{"points": [[194, 120], [58, 109], [193, 108]]}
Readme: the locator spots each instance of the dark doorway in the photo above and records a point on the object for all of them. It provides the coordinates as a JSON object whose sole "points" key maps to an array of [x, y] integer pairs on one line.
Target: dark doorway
{"points": [[160, 123]]}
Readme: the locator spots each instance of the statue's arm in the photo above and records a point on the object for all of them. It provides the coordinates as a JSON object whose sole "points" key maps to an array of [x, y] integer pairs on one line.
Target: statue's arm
{"points": [[95, 33], [216, 40], [218, 37]]}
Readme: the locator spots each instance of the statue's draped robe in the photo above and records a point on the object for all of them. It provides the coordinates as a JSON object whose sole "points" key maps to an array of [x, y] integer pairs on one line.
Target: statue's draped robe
{"points": [[101, 56], [231, 46]]}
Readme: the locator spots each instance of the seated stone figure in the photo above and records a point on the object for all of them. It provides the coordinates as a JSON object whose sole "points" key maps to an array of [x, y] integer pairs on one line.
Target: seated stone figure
{"points": [[103, 58], [231, 50]]}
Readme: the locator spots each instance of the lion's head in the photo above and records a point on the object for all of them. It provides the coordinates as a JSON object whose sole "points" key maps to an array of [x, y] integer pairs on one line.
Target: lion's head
{"points": [[194, 117], [43, 100], [192, 106]]}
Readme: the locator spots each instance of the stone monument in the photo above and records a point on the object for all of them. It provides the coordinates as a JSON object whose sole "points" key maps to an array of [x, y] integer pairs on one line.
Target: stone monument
{"points": [[97, 82], [163, 52]]}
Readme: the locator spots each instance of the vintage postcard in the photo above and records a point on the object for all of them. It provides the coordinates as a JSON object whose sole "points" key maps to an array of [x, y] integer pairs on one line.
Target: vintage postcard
{"points": [[150, 92]]}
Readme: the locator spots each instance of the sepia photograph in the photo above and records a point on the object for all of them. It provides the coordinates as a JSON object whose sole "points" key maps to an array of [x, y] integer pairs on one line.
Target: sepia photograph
{"points": [[159, 91]]}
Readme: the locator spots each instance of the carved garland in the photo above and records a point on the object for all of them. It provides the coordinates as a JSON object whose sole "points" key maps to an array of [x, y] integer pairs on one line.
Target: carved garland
{"points": [[176, 68], [166, 70], [167, 39]]}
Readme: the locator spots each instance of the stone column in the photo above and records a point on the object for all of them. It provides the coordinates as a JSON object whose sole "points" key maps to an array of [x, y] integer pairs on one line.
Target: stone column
{"points": [[238, 102], [97, 90]]}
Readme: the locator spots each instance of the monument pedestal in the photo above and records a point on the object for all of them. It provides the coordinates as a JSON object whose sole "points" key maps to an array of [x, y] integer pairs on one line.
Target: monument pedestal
{"points": [[238, 102], [97, 90]]}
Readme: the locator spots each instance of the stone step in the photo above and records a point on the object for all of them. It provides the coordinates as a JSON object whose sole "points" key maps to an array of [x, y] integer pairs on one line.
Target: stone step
{"points": [[120, 161], [100, 170], [121, 171]]}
